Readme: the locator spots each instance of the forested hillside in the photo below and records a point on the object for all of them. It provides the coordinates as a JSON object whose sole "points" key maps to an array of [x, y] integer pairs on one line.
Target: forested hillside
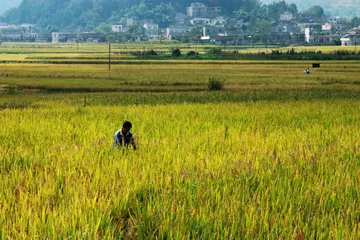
{"points": [[87, 14]]}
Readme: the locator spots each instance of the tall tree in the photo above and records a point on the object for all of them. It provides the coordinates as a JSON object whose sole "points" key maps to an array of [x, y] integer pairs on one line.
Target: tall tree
{"points": [[316, 12]]}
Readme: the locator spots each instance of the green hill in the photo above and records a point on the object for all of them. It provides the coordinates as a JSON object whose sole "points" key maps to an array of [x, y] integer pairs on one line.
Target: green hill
{"points": [[87, 14]]}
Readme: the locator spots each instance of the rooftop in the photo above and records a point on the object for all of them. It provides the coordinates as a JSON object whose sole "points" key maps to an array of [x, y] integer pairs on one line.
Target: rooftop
{"points": [[11, 31]]}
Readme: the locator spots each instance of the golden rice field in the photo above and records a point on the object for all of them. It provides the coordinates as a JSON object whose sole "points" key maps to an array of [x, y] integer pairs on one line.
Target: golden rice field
{"points": [[91, 48], [244, 170], [274, 155], [173, 75]]}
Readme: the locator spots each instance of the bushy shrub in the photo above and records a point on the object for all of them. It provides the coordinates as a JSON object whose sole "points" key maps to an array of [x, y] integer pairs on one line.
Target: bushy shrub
{"points": [[192, 53], [215, 51], [150, 53], [291, 51], [176, 53], [276, 52], [215, 84], [343, 52], [144, 53], [11, 89]]}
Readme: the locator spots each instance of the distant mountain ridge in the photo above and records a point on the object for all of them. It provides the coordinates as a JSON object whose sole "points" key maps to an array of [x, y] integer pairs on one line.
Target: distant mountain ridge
{"points": [[8, 4], [348, 8], [344, 8]]}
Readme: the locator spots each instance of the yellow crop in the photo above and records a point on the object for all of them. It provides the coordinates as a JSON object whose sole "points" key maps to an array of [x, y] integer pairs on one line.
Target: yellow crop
{"points": [[273, 155], [231, 171]]}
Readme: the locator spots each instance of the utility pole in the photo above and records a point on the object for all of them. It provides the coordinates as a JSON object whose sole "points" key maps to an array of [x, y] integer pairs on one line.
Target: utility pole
{"points": [[355, 46], [355, 49], [109, 56]]}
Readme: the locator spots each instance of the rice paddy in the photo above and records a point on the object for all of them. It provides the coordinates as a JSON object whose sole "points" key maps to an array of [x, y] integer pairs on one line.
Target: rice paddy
{"points": [[274, 155]]}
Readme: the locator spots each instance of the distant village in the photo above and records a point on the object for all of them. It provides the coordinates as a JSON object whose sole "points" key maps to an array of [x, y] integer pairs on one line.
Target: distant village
{"points": [[203, 24]]}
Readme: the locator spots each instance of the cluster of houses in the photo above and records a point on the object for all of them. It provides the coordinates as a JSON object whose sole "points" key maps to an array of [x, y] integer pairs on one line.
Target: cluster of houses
{"points": [[291, 29], [151, 31], [85, 37], [209, 19], [18, 33], [351, 38], [214, 27]]}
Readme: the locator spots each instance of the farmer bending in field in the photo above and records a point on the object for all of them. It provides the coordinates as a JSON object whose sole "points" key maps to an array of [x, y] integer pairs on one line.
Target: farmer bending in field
{"points": [[307, 71], [124, 137]]}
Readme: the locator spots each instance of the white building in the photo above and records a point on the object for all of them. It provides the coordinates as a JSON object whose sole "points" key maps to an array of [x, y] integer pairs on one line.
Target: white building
{"points": [[219, 21], [58, 37], [350, 39], [211, 31], [4, 25], [11, 34], [200, 21], [287, 16], [119, 28], [31, 35], [307, 35], [152, 30], [202, 10], [27, 25], [345, 40], [175, 33]]}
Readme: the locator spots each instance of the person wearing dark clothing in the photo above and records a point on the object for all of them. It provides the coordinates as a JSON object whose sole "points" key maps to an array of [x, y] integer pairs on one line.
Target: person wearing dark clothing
{"points": [[123, 137]]}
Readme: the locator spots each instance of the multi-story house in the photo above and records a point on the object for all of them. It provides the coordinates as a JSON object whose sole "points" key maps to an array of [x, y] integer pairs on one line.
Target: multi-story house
{"points": [[152, 30], [286, 33], [200, 21], [11, 34], [287, 16], [175, 33], [212, 31], [337, 20], [219, 21], [3, 25], [320, 38], [203, 11], [352, 38], [329, 27], [60, 37], [119, 28]]}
